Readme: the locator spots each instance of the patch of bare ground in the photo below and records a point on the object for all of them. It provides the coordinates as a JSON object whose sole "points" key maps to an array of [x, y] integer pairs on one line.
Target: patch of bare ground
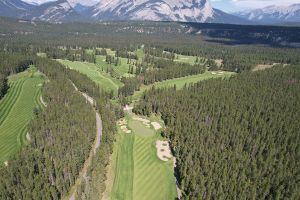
{"points": [[266, 66]]}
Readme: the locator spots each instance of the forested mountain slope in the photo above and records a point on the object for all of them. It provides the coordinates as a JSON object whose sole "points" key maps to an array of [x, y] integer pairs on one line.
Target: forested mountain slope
{"points": [[234, 139]]}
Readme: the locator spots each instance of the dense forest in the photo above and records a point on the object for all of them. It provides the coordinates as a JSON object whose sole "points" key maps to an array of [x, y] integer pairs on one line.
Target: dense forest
{"points": [[236, 138], [40, 170], [11, 64], [58, 39]]}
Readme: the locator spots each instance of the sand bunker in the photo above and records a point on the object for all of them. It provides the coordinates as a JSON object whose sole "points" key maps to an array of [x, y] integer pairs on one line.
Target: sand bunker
{"points": [[156, 125], [6, 163], [125, 129], [141, 119], [28, 137], [122, 122], [213, 73], [123, 125], [163, 150]]}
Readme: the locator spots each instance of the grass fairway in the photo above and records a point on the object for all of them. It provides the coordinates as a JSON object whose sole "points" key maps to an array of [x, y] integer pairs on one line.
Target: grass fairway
{"points": [[180, 82], [105, 81], [138, 172], [16, 111]]}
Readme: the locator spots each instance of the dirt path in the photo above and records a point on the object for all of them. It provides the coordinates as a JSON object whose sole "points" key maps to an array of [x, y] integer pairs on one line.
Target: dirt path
{"points": [[96, 145]]}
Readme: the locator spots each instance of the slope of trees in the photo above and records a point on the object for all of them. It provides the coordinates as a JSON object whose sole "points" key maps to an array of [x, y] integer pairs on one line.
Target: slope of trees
{"points": [[11, 63], [235, 139]]}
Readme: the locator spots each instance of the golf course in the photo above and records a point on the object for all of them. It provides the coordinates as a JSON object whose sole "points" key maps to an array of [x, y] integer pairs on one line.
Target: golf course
{"points": [[136, 172]]}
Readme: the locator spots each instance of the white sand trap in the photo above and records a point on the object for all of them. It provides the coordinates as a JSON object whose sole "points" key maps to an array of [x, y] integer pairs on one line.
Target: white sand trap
{"points": [[141, 119], [156, 125], [28, 137], [163, 150], [42, 101], [6, 163], [125, 129], [213, 73], [122, 122]]}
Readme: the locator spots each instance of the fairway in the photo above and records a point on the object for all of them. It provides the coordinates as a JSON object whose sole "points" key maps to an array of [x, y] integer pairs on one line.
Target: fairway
{"points": [[180, 82], [137, 171], [16, 111], [105, 81]]}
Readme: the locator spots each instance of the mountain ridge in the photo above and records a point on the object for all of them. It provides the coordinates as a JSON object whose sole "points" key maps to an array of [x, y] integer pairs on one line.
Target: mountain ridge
{"points": [[272, 14]]}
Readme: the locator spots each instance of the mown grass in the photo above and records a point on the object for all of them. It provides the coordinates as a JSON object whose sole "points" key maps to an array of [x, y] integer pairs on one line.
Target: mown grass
{"points": [[138, 173], [105, 81], [180, 82], [16, 111]]}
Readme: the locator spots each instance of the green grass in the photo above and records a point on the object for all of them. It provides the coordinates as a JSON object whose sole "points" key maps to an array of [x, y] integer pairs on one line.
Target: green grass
{"points": [[140, 54], [180, 82], [185, 59], [121, 70], [139, 128], [105, 81], [138, 172], [16, 111]]}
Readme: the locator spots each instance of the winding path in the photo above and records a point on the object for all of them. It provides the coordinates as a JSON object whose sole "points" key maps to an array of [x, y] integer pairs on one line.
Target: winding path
{"points": [[96, 145]]}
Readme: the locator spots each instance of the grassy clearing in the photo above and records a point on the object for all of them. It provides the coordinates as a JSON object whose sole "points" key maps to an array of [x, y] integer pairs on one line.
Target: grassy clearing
{"points": [[105, 81], [121, 70], [185, 59], [180, 82], [138, 173], [16, 111]]}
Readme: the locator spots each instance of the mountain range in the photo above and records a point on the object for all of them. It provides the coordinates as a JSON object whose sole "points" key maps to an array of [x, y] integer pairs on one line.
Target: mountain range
{"points": [[150, 10], [272, 14]]}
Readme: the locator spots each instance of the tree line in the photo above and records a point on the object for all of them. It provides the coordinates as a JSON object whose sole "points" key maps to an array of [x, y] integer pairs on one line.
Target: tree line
{"points": [[11, 63]]}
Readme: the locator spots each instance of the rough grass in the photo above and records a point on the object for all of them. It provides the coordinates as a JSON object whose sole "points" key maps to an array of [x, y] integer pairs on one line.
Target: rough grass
{"points": [[138, 173], [105, 81], [180, 82], [16, 111]]}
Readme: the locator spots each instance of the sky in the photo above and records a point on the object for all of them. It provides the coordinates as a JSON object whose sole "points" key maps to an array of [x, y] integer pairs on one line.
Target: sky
{"points": [[225, 5]]}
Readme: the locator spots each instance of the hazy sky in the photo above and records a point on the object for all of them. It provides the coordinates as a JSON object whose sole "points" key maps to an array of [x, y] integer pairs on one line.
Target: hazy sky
{"points": [[226, 5]]}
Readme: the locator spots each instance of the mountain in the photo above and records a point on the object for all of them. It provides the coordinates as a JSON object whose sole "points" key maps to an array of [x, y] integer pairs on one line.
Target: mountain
{"points": [[58, 11], [150, 10], [160, 10], [272, 14], [79, 8], [14, 8]]}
